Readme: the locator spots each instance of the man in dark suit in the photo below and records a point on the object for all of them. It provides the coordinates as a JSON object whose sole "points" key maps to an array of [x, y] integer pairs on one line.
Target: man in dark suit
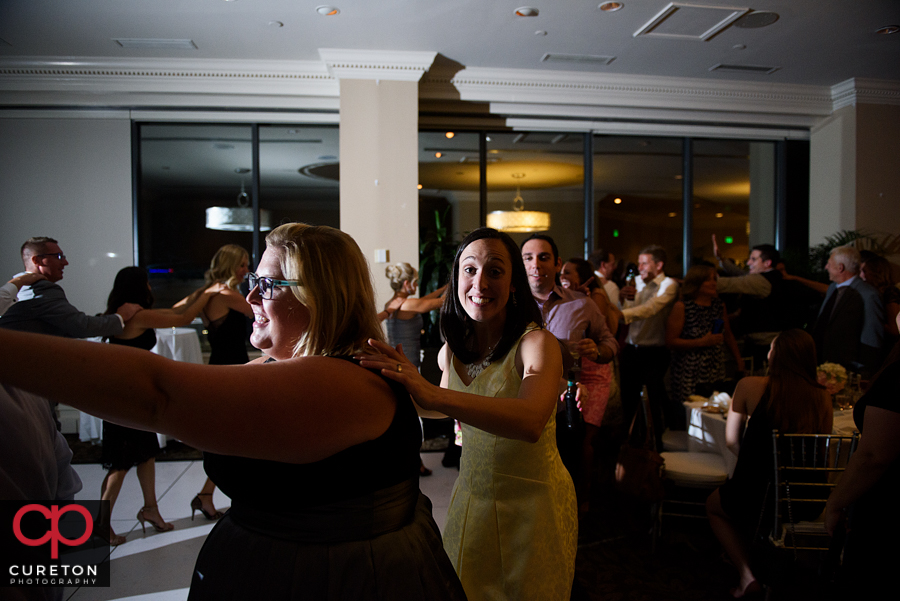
{"points": [[850, 326], [42, 308]]}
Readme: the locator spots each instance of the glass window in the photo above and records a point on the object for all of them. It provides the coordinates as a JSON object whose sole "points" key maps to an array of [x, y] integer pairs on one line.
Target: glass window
{"points": [[299, 175], [638, 197], [543, 172]]}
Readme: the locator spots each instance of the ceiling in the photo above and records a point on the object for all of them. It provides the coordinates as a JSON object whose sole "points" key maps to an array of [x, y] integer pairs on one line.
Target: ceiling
{"points": [[814, 42]]}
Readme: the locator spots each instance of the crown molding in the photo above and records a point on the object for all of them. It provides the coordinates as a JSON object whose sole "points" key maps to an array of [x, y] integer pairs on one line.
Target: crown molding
{"points": [[315, 86], [649, 115], [154, 76], [865, 91], [391, 65], [633, 128], [629, 91]]}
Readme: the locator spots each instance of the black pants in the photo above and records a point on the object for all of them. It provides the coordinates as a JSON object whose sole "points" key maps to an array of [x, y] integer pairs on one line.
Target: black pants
{"points": [[647, 366]]}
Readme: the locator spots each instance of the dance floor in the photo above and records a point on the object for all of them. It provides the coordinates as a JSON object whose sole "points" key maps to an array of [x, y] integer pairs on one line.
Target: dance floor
{"points": [[158, 566]]}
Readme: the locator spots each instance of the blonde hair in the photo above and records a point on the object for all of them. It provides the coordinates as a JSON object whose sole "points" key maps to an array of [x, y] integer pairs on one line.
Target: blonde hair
{"points": [[399, 273], [224, 266], [335, 287]]}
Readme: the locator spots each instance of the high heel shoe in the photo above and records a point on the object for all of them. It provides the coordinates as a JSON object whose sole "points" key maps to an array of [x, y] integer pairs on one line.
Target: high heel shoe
{"points": [[197, 505], [161, 526]]}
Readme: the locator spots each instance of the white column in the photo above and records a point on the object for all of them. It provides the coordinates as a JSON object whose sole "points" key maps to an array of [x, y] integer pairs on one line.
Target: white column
{"points": [[379, 154]]}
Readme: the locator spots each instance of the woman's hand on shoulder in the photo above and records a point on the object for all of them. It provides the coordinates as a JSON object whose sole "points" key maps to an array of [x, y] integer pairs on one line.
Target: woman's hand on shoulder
{"points": [[393, 364]]}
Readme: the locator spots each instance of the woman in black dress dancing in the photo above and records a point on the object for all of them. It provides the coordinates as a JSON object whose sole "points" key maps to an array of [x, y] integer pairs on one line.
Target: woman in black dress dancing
{"points": [[226, 317], [125, 447], [319, 456]]}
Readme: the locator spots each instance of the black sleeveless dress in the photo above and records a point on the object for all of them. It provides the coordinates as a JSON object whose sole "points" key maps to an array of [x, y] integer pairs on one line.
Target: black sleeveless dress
{"points": [[353, 526], [125, 447], [743, 496], [228, 339]]}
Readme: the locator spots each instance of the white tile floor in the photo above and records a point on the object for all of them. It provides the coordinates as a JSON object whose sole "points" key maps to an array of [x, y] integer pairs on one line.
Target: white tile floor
{"points": [[158, 566]]}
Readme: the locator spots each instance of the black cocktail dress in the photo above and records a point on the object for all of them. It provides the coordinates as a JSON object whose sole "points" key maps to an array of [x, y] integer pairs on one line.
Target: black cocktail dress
{"points": [[353, 526]]}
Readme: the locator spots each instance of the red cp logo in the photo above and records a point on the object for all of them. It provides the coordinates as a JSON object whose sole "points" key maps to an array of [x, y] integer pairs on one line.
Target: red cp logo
{"points": [[53, 514]]}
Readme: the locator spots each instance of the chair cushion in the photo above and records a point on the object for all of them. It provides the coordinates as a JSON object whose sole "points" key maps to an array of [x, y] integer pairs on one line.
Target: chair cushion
{"points": [[694, 469], [675, 440]]}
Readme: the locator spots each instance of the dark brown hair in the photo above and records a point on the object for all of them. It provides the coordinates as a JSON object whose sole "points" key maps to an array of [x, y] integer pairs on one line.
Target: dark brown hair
{"points": [[585, 272], [878, 273], [521, 308], [796, 403], [693, 279]]}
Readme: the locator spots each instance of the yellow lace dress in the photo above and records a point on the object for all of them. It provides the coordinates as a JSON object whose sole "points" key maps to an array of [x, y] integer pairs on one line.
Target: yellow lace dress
{"points": [[512, 526]]}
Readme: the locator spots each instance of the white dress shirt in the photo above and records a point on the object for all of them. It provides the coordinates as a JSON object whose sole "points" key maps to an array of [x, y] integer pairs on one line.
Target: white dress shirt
{"points": [[649, 310]]}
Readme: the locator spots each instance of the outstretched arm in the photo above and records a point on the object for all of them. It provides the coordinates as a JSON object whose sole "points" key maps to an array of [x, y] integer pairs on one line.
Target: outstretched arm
{"points": [[521, 418], [309, 408]]}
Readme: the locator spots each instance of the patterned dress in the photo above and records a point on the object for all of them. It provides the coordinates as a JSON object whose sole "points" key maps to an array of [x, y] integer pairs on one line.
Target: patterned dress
{"points": [[700, 365], [512, 525]]}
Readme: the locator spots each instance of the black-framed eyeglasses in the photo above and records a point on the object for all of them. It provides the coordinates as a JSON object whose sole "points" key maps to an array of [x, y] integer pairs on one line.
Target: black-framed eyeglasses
{"points": [[59, 256], [267, 286]]}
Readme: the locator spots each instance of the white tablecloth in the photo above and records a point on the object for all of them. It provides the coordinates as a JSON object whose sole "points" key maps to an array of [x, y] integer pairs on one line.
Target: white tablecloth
{"points": [[180, 344], [706, 431], [706, 434]]}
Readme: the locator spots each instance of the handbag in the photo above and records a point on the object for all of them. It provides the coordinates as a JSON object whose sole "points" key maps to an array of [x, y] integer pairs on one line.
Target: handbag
{"points": [[639, 466]]}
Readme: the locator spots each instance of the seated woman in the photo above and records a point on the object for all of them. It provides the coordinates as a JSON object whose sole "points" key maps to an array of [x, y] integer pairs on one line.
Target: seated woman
{"points": [[319, 456], [512, 527], [790, 400], [697, 331]]}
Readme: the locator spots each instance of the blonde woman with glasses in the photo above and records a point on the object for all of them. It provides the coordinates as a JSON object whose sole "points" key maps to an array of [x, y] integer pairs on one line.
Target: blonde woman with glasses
{"points": [[339, 443]]}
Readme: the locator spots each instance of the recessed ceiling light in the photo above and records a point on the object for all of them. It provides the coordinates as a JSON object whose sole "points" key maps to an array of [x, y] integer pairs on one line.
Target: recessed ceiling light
{"points": [[887, 30], [449, 134], [276, 24], [679, 177], [719, 215], [610, 7], [242, 170], [527, 11], [328, 11], [438, 155], [540, 32], [673, 214], [618, 201], [419, 186]]}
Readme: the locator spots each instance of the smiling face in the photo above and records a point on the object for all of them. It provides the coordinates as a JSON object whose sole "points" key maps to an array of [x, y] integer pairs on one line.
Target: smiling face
{"points": [[568, 277], [280, 322], [485, 280], [756, 263], [648, 268], [708, 287], [541, 266], [49, 266]]}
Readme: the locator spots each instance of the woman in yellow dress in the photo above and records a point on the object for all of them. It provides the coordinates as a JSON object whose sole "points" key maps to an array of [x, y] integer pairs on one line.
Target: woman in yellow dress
{"points": [[512, 527]]}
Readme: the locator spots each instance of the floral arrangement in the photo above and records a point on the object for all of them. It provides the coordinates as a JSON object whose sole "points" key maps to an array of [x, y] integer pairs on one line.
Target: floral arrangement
{"points": [[832, 376]]}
